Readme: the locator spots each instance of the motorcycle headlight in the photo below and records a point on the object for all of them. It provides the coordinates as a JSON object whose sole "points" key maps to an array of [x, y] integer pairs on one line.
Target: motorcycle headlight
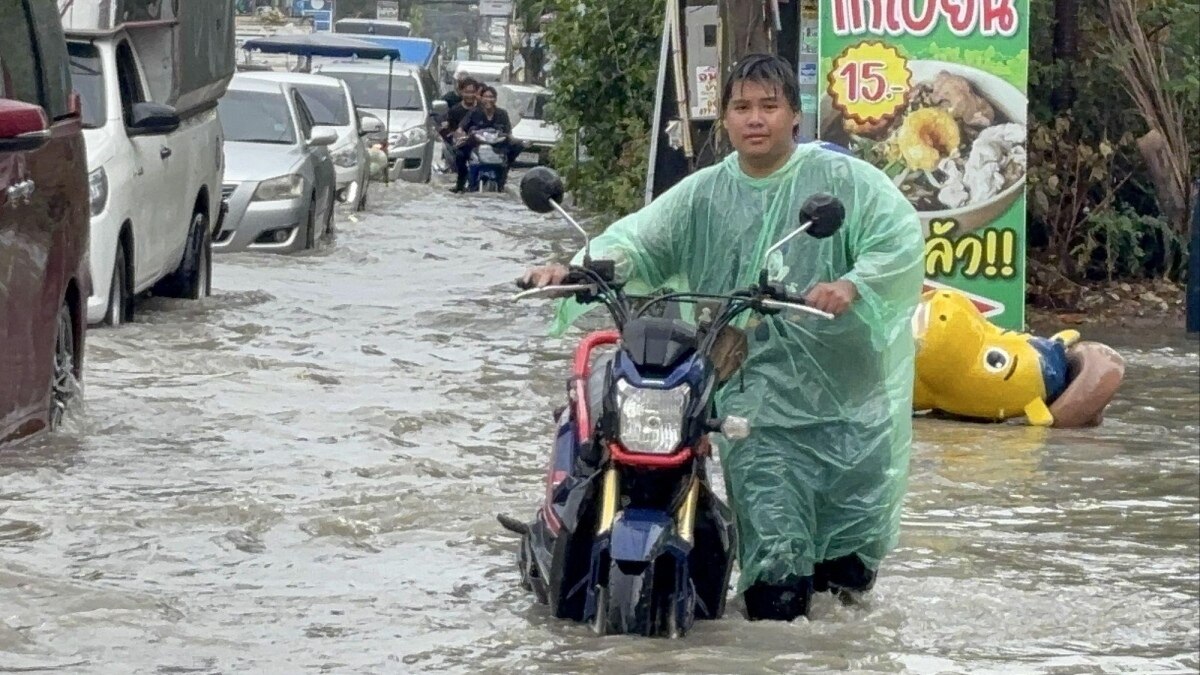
{"points": [[346, 158], [651, 419], [408, 137], [279, 188], [98, 190]]}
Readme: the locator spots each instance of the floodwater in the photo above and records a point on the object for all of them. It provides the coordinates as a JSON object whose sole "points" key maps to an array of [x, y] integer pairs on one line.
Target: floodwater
{"points": [[301, 474]]}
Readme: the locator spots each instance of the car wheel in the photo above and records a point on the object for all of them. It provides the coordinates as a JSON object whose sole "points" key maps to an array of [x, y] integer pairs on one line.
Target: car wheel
{"points": [[310, 229], [327, 235], [120, 298], [63, 386], [362, 196], [193, 279]]}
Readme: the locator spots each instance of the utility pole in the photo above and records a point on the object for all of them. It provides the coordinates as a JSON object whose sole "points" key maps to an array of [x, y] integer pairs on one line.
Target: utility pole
{"points": [[746, 30]]}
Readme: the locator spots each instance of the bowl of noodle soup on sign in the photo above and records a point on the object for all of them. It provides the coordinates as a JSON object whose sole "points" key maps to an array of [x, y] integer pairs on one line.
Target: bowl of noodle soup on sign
{"points": [[956, 149]]}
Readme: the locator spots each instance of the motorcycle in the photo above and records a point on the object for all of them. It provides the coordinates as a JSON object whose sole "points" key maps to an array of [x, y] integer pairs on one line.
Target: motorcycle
{"points": [[630, 536], [487, 166]]}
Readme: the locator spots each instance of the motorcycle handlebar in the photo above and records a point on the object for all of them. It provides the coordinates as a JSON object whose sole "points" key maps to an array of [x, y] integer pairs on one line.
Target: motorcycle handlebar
{"points": [[558, 291], [795, 307]]}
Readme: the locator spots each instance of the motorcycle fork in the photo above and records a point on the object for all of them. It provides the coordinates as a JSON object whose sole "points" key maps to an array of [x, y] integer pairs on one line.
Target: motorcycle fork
{"points": [[685, 516], [608, 500]]}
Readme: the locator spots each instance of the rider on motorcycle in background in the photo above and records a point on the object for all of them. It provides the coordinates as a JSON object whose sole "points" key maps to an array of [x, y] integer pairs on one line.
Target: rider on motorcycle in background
{"points": [[818, 484], [487, 115]]}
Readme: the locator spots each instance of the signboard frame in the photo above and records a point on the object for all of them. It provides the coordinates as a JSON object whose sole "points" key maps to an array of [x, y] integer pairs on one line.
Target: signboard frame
{"points": [[496, 8], [887, 67]]}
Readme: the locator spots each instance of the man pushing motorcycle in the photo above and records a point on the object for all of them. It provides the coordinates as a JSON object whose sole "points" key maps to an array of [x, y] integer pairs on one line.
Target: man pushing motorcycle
{"points": [[817, 486]]}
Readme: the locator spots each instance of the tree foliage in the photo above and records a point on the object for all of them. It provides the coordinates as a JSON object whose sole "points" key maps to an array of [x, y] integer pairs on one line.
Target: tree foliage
{"points": [[602, 93], [1093, 204]]}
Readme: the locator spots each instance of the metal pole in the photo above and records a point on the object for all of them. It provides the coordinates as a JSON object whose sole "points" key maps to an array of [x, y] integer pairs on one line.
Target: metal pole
{"points": [[1193, 284], [675, 17], [656, 125]]}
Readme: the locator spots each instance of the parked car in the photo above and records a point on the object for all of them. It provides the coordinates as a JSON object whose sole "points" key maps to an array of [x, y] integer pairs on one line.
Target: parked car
{"points": [[44, 281], [155, 177], [329, 101], [526, 106], [488, 72], [280, 183], [411, 126]]}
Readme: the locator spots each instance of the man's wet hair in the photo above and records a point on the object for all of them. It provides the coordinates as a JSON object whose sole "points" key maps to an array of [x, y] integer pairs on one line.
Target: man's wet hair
{"points": [[468, 82], [768, 70]]}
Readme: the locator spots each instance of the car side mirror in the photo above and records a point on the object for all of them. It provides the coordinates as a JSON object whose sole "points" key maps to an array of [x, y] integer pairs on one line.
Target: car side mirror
{"points": [[541, 187], [825, 212], [23, 126], [440, 108], [323, 136], [369, 125], [152, 119]]}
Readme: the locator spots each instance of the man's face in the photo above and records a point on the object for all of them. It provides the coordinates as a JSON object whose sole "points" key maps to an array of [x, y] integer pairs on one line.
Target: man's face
{"points": [[469, 94], [759, 120], [489, 100]]}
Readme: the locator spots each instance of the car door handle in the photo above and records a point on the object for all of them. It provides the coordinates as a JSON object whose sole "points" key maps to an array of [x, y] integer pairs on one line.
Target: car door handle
{"points": [[164, 153]]}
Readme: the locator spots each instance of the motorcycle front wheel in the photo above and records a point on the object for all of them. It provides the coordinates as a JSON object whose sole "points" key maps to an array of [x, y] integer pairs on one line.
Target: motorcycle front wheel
{"points": [[636, 601]]}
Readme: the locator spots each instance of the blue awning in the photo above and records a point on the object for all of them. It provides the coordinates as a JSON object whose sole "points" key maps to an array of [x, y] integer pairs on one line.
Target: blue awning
{"points": [[419, 51], [331, 46]]}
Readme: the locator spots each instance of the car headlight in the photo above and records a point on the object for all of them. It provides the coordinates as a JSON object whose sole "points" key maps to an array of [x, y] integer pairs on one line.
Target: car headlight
{"points": [[98, 190], [346, 157], [290, 186], [409, 137], [651, 419]]}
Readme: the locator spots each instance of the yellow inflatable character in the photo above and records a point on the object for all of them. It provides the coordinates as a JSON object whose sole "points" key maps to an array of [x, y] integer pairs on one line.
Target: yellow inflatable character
{"points": [[968, 367]]}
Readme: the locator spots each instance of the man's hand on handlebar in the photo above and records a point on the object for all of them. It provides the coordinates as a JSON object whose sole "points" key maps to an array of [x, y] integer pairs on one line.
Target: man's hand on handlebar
{"points": [[834, 297], [546, 275]]}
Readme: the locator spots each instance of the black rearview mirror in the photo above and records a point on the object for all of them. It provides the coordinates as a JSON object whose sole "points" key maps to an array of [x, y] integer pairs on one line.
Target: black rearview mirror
{"points": [[541, 188], [826, 212]]}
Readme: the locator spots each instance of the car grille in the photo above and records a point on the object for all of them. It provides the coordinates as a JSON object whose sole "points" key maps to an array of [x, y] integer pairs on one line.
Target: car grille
{"points": [[228, 189]]}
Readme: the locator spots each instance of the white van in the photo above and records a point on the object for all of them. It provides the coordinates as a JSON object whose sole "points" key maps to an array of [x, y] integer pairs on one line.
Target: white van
{"points": [[155, 171]]}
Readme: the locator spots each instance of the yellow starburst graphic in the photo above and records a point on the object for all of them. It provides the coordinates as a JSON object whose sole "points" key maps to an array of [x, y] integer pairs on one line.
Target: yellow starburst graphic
{"points": [[869, 82]]}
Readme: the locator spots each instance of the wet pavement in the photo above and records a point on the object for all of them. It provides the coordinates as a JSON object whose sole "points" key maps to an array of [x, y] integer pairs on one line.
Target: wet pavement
{"points": [[301, 474]]}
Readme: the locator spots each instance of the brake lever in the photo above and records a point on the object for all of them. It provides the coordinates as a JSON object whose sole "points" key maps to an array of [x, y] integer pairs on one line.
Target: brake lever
{"points": [[560, 291], [780, 305]]}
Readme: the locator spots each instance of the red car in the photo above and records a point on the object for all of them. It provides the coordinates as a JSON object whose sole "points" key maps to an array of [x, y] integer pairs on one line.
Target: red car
{"points": [[44, 282]]}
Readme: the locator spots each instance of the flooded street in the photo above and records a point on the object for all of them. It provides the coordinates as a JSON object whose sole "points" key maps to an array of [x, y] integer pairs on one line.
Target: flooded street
{"points": [[302, 473]]}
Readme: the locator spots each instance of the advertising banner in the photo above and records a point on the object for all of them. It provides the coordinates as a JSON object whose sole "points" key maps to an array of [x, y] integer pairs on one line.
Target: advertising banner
{"points": [[387, 10], [933, 92]]}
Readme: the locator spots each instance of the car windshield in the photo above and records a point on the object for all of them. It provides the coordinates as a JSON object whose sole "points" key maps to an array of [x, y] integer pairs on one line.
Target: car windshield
{"points": [[87, 77], [256, 117], [370, 90], [328, 105]]}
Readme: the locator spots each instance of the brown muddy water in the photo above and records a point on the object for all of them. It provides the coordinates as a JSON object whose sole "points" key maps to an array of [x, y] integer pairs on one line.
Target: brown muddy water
{"points": [[301, 474]]}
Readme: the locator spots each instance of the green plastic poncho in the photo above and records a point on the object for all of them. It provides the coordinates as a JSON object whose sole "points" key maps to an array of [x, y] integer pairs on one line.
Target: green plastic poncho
{"points": [[823, 473]]}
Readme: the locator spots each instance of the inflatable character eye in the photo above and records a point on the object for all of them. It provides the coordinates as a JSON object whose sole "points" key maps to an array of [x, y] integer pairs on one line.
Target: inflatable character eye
{"points": [[996, 360]]}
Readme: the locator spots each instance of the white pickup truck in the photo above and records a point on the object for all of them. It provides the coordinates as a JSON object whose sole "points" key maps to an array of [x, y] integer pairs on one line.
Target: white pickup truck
{"points": [[154, 143]]}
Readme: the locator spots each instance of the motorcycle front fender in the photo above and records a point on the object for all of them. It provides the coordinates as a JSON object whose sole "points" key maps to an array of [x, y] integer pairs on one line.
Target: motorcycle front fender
{"points": [[642, 535]]}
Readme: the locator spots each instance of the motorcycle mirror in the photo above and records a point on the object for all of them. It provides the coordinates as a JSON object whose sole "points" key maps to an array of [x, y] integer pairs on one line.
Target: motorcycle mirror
{"points": [[826, 214], [541, 188], [821, 216], [542, 191]]}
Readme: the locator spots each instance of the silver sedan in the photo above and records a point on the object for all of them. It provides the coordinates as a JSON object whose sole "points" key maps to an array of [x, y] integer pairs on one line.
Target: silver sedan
{"points": [[280, 182]]}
